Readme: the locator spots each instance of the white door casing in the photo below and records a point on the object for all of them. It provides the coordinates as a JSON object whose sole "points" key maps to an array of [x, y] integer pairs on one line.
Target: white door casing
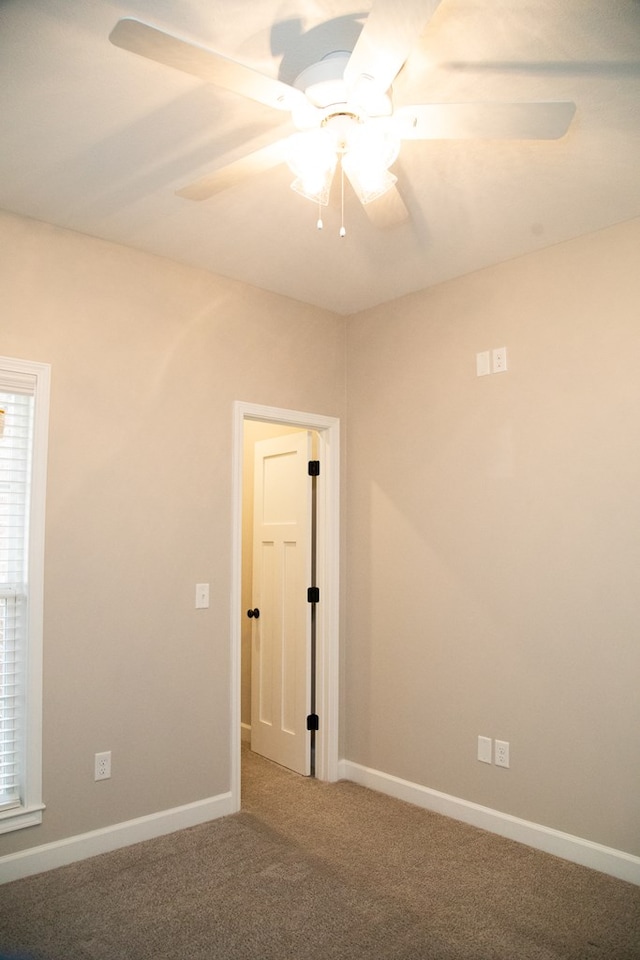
{"points": [[327, 580]]}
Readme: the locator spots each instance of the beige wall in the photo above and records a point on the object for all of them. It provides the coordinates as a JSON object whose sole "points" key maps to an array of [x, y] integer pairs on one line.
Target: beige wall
{"points": [[147, 358], [493, 552], [494, 538]]}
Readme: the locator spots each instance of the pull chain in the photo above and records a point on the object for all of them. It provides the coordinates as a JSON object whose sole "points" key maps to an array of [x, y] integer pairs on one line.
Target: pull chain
{"points": [[343, 231], [319, 224]]}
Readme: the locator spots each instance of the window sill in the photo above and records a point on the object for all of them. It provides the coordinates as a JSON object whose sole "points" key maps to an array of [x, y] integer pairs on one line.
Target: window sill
{"points": [[20, 817]]}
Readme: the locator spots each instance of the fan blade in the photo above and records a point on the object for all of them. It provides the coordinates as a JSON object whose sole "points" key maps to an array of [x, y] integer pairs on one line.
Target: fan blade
{"points": [[232, 173], [140, 38], [484, 121], [388, 37], [388, 210]]}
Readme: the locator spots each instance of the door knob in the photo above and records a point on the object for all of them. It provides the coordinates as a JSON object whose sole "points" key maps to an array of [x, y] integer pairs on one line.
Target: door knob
{"points": [[253, 613]]}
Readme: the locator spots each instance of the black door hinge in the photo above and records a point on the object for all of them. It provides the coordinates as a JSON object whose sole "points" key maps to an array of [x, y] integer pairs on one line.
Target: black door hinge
{"points": [[314, 468], [313, 723], [313, 595]]}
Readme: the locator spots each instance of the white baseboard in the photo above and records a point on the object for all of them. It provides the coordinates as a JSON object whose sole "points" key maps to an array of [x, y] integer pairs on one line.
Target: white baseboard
{"points": [[616, 863], [48, 856], [245, 732]]}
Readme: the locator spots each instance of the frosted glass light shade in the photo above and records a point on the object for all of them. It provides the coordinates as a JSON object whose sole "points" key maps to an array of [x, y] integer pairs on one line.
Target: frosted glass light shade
{"points": [[367, 160], [369, 183], [367, 151], [374, 145], [312, 157], [318, 192]]}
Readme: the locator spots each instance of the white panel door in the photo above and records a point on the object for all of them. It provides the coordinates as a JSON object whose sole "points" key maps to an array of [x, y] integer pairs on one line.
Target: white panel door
{"points": [[281, 642]]}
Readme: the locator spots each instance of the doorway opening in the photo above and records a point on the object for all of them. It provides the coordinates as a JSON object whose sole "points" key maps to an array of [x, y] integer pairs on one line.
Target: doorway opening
{"points": [[252, 421]]}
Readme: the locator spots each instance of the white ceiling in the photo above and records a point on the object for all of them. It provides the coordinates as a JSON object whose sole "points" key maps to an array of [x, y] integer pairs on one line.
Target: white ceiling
{"points": [[97, 139]]}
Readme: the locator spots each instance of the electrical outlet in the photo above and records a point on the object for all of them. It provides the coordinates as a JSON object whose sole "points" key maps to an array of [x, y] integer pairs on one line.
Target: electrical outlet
{"points": [[102, 766], [502, 753], [499, 359], [484, 749]]}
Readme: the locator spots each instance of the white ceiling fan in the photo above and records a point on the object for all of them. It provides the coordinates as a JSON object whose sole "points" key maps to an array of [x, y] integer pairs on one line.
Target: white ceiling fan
{"points": [[342, 109]]}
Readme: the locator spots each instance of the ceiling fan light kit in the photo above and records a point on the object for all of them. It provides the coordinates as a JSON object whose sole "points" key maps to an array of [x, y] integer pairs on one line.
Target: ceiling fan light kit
{"points": [[343, 111], [337, 124], [365, 151]]}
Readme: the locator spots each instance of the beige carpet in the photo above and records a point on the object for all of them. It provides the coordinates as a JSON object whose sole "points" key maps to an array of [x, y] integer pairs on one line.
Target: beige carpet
{"points": [[310, 870]]}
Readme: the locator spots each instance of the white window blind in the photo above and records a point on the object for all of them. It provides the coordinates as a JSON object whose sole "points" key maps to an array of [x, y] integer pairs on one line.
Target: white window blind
{"points": [[24, 402], [16, 447]]}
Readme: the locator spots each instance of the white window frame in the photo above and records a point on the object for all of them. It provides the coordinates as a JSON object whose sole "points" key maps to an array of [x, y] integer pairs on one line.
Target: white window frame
{"points": [[29, 811]]}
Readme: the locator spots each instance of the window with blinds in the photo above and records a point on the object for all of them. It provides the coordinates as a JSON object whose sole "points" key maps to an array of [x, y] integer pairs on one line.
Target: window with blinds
{"points": [[23, 409], [16, 440]]}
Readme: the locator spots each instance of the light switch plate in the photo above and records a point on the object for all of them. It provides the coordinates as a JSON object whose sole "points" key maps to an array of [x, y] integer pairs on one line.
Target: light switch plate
{"points": [[483, 363], [202, 596], [484, 749]]}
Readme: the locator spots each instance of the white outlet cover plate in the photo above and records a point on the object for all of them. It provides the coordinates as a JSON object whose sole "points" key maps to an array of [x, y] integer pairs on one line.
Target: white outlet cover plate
{"points": [[502, 753], [484, 749], [499, 359], [202, 596], [102, 765], [483, 363]]}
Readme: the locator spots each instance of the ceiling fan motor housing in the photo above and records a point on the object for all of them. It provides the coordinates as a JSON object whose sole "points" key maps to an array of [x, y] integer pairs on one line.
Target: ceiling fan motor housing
{"points": [[329, 97]]}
